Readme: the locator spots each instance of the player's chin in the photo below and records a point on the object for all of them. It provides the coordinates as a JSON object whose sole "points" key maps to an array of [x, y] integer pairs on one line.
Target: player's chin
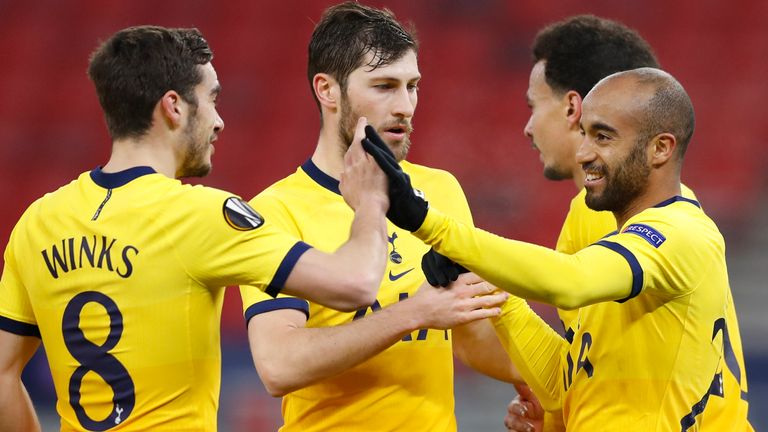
{"points": [[400, 149]]}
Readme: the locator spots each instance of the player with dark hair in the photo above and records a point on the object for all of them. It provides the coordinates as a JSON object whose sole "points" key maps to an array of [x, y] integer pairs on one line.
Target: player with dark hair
{"points": [[389, 366], [121, 273], [570, 57], [652, 296]]}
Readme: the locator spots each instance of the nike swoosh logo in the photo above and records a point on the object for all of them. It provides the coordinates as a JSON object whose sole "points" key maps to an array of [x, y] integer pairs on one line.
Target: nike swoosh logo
{"points": [[399, 275]]}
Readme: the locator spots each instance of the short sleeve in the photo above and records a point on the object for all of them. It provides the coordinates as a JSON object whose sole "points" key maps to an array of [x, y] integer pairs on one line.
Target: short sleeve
{"points": [[16, 314], [227, 242], [256, 301]]}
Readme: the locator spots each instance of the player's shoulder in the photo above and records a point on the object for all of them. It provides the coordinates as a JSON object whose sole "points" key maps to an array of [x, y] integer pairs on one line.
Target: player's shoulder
{"points": [[199, 195], [52, 200], [421, 174], [292, 190], [676, 218]]}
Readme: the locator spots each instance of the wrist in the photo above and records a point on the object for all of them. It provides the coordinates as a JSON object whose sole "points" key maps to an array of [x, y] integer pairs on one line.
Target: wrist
{"points": [[378, 202], [408, 315]]}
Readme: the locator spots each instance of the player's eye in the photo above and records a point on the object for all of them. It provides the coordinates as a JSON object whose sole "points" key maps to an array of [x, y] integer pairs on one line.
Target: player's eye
{"points": [[602, 137]]}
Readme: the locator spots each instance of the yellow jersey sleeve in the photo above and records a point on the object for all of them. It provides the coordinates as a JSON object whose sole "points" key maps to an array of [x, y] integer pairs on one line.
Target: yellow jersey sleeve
{"points": [[16, 314], [256, 301], [234, 244], [567, 281], [534, 348]]}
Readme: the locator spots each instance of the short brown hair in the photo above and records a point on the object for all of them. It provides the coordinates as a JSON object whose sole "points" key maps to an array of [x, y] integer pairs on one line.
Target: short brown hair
{"points": [[347, 32], [137, 65]]}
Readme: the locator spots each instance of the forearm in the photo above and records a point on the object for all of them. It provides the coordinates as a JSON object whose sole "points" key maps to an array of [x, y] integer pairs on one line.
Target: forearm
{"points": [[530, 271], [365, 251], [292, 358], [477, 346], [349, 278], [16, 410], [534, 348]]}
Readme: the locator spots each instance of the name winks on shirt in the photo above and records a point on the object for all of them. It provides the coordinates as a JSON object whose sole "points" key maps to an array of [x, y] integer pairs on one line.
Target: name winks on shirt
{"points": [[74, 253]]}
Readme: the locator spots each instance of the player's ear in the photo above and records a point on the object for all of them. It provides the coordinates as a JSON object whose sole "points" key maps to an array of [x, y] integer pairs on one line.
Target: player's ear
{"points": [[327, 91], [171, 108], [572, 100], [663, 146]]}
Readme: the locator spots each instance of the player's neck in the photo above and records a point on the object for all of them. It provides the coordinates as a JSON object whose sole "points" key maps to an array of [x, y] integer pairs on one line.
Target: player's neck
{"points": [[329, 153], [129, 153], [653, 195]]}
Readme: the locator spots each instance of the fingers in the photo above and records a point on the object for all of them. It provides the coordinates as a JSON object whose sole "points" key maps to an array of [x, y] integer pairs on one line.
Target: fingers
{"points": [[516, 414], [355, 151], [516, 423], [387, 163], [478, 289], [428, 267], [524, 392], [469, 279], [480, 313], [530, 402], [376, 140], [438, 269]]}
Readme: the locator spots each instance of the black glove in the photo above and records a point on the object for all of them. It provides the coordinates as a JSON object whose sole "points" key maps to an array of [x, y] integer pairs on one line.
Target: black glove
{"points": [[407, 207], [440, 270]]}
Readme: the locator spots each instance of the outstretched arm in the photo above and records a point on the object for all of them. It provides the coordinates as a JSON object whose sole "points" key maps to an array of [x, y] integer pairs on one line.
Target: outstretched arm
{"points": [[529, 271], [592, 275], [289, 356], [16, 410]]}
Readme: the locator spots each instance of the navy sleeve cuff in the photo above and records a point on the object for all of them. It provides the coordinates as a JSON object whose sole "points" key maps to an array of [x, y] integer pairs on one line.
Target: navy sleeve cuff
{"points": [[18, 327], [276, 304], [281, 275], [634, 264]]}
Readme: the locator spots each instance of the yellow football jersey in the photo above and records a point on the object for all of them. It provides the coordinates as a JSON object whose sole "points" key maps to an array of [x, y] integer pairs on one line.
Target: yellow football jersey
{"points": [[644, 361], [727, 405], [121, 275], [409, 386]]}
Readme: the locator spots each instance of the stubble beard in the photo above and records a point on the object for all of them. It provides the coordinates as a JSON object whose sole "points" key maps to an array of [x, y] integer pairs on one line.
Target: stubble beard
{"points": [[195, 163], [348, 123], [556, 174], [628, 181]]}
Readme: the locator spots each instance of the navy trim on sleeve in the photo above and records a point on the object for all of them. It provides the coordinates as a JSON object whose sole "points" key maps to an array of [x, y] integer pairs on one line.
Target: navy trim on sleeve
{"points": [[675, 199], [281, 275], [320, 177], [115, 180], [634, 264], [19, 328], [276, 304]]}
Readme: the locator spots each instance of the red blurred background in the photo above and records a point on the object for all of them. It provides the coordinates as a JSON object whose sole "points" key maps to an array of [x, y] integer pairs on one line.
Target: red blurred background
{"points": [[475, 61]]}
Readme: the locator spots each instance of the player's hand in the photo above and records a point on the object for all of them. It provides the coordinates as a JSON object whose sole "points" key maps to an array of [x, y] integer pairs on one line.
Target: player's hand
{"points": [[407, 208], [524, 412], [468, 299], [362, 182], [439, 269]]}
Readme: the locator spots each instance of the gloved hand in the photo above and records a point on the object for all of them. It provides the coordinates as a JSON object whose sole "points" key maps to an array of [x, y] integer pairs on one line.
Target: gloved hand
{"points": [[407, 206], [440, 270]]}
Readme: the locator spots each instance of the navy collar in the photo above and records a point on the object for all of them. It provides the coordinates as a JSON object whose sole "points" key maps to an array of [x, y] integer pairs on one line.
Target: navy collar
{"points": [[667, 202], [320, 177], [121, 178]]}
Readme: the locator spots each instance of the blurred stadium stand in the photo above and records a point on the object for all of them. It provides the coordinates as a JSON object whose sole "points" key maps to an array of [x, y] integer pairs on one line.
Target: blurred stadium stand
{"points": [[475, 62]]}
